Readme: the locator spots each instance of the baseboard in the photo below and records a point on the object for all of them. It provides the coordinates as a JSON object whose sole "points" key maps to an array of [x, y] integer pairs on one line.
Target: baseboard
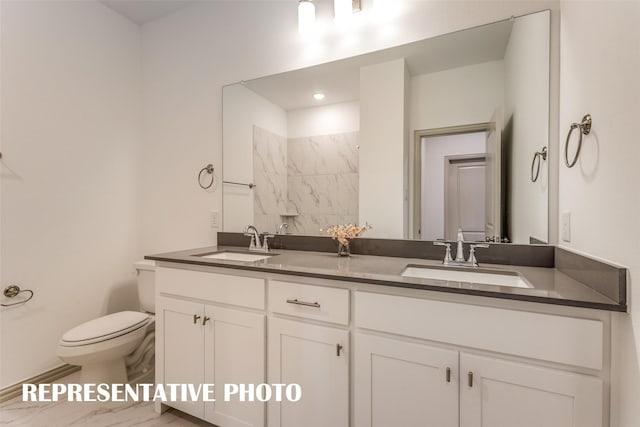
{"points": [[47, 377]]}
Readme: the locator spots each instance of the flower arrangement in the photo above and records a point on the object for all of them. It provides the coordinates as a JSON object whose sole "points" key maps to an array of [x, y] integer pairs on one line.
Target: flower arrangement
{"points": [[345, 232]]}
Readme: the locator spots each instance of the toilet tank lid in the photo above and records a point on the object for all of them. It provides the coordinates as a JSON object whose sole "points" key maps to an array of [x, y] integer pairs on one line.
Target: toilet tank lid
{"points": [[106, 327], [145, 264]]}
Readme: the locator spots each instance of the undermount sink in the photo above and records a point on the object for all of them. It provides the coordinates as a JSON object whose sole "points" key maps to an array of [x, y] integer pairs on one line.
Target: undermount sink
{"points": [[482, 277], [236, 256]]}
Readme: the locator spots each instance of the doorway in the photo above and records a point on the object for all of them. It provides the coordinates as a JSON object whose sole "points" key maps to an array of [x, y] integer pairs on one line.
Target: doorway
{"points": [[459, 146]]}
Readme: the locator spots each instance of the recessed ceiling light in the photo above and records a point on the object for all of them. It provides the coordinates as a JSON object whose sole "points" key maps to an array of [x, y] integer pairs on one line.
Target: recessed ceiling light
{"points": [[318, 96]]}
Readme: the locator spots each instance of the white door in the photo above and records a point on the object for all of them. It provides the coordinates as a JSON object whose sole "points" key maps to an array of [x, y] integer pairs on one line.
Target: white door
{"points": [[181, 347], [465, 198], [502, 393], [316, 358], [404, 384], [234, 354], [493, 176]]}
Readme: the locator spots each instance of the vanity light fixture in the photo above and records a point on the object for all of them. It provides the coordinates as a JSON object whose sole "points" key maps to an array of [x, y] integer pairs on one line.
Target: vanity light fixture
{"points": [[318, 96], [306, 17], [342, 9]]}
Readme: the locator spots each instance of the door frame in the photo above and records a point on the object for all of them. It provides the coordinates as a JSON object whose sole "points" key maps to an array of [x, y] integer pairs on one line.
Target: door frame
{"points": [[417, 165]]}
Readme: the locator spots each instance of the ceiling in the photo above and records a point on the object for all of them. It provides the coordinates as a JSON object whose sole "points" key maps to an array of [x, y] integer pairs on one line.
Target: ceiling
{"points": [[340, 80], [143, 11]]}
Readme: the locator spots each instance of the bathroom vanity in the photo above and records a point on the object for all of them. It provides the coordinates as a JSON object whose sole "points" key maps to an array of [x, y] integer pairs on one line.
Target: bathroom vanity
{"points": [[371, 347]]}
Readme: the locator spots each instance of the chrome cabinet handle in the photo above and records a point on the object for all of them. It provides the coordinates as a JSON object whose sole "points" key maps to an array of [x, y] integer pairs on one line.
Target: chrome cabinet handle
{"points": [[195, 318], [338, 349], [308, 304], [448, 375], [205, 320], [470, 378]]}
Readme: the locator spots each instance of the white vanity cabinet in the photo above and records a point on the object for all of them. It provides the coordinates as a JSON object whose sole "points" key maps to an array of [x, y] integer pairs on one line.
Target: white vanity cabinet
{"points": [[315, 356], [496, 392], [201, 342], [404, 383], [372, 356], [419, 383]]}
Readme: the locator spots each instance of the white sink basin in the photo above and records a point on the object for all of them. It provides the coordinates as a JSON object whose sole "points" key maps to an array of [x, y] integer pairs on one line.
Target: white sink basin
{"points": [[236, 256], [497, 279]]}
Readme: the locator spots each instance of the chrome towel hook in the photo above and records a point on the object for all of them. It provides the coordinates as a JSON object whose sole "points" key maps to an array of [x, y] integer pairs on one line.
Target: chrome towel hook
{"points": [[585, 129], [539, 155], [14, 290], [208, 169]]}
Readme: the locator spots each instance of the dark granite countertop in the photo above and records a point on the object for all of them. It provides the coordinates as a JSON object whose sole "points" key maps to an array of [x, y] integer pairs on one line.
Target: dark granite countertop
{"points": [[548, 285]]}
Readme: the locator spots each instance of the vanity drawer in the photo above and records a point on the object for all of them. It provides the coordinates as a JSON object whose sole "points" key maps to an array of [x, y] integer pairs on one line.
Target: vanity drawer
{"points": [[559, 339], [309, 301], [215, 287]]}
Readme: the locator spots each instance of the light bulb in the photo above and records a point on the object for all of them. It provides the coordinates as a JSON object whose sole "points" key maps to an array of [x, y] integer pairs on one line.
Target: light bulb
{"points": [[342, 9], [306, 17], [318, 96]]}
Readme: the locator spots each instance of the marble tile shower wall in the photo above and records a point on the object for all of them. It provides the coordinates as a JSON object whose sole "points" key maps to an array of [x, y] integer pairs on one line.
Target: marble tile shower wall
{"points": [[270, 173], [322, 182]]}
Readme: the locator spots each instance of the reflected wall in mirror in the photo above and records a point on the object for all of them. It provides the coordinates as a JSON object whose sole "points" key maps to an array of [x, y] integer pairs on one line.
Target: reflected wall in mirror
{"points": [[418, 140]]}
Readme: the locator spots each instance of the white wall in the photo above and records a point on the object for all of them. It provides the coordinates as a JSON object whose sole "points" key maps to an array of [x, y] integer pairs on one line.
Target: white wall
{"points": [[243, 110], [434, 150], [70, 196], [381, 154], [324, 120], [527, 105], [600, 65], [459, 96]]}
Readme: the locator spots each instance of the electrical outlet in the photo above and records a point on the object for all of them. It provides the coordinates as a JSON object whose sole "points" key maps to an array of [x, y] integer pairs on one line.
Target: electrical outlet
{"points": [[215, 219], [566, 226]]}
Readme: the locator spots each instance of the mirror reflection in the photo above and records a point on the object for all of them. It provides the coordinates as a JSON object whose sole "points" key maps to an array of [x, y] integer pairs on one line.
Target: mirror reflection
{"points": [[418, 140]]}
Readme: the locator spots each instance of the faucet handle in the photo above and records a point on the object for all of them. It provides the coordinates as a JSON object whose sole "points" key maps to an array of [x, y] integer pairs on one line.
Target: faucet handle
{"points": [[472, 253], [447, 254], [265, 243], [253, 240]]}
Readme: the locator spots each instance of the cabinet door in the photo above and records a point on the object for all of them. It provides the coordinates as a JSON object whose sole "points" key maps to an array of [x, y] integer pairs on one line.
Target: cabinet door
{"points": [[404, 384], [504, 393], [234, 354], [316, 358], [180, 347]]}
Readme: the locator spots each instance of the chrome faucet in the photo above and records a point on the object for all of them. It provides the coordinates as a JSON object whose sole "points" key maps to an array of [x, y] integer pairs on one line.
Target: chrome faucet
{"points": [[282, 228], [255, 244], [459, 260]]}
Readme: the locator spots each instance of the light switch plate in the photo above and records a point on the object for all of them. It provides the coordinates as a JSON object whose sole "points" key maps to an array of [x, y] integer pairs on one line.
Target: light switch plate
{"points": [[215, 219], [565, 227]]}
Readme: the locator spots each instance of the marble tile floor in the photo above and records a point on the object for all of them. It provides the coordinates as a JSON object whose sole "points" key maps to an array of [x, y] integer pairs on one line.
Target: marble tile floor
{"points": [[15, 412]]}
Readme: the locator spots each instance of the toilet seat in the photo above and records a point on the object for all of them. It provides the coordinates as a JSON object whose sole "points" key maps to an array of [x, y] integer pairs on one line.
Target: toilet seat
{"points": [[104, 328]]}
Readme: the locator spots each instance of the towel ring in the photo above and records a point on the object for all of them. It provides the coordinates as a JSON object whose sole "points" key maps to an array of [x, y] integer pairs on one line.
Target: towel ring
{"points": [[14, 290], [585, 129], [538, 155], [208, 169]]}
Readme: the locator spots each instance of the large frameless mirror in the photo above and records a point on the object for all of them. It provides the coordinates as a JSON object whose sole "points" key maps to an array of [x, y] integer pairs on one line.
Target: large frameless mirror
{"points": [[417, 140]]}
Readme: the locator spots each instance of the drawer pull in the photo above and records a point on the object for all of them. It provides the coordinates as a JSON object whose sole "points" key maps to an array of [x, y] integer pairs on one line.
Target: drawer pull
{"points": [[470, 378], [195, 318], [448, 375], [338, 349], [308, 304]]}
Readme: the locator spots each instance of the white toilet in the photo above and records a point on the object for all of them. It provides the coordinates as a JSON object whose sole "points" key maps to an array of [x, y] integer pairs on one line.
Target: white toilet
{"points": [[119, 347]]}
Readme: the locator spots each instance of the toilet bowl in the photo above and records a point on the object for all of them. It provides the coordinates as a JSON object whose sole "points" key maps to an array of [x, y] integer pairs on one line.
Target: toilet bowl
{"points": [[119, 347]]}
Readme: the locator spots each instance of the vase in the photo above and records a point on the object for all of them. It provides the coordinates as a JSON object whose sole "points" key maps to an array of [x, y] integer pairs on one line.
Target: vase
{"points": [[343, 249]]}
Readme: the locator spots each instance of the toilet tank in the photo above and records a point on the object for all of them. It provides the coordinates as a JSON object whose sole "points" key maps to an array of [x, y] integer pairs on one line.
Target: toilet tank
{"points": [[146, 271]]}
